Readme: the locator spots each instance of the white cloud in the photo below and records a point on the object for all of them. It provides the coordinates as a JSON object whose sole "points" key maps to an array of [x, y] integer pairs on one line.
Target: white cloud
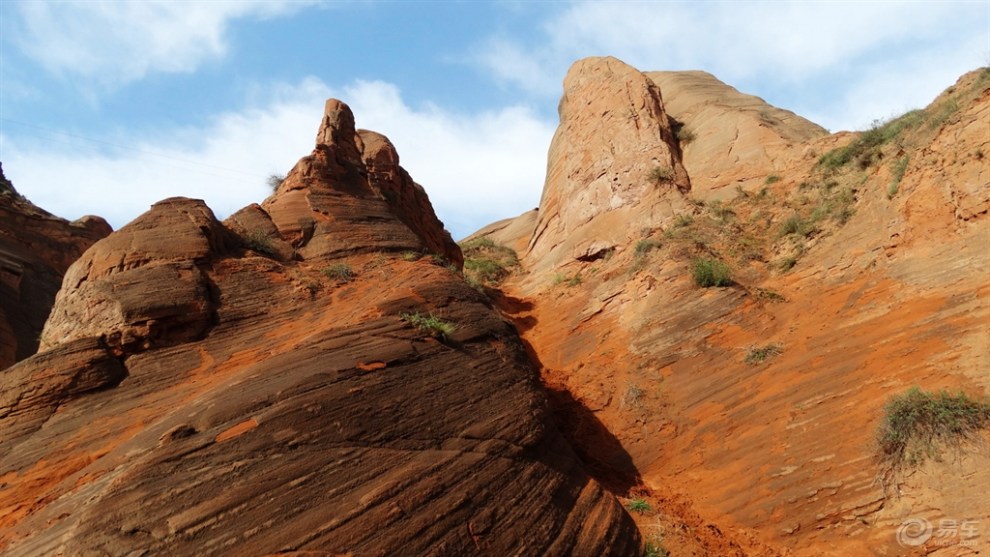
{"points": [[112, 43], [476, 168], [762, 47]]}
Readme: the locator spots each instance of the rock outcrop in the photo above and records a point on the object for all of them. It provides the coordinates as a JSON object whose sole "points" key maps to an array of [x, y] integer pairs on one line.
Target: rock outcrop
{"points": [[351, 196], [36, 248], [746, 414], [730, 139], [614, 160], [274, 385]]}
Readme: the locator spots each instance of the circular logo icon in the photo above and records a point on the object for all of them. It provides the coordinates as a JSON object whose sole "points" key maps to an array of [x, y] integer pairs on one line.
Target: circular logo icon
{"points": [[914, 532]]}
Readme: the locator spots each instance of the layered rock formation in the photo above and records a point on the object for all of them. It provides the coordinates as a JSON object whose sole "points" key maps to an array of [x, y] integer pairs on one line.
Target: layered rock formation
{"points": [[734, 139], [367, 201], [260, 386], [36, 248], [614, 160], [746, 414]]}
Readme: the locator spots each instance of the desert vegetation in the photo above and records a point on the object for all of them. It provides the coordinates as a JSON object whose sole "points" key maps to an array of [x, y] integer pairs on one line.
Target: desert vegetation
{"points": [[639, 505], [918, 423], [430, 324], [338, 271], [758, 354], [685, 135], [275, 180], [709, 272], [260, 241], [897, 170], [661, 174], [486, 263]]}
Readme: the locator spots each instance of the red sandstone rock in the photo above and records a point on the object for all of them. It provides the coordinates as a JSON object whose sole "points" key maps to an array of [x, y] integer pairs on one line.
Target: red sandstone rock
{"points": [[36, 248], [351, 196], [613, 161], [648, 373], [198, 396], [730, 139]]}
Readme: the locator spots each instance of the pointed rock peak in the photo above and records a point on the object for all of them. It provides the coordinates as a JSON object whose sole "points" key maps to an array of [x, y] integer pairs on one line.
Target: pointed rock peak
{"points": [[350, 195], [337, 125], [613, 160]]}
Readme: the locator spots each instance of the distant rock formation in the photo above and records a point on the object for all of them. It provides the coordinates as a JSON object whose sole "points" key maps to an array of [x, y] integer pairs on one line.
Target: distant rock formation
{"points": [[36, 248], [273, 385], [614, 160]]}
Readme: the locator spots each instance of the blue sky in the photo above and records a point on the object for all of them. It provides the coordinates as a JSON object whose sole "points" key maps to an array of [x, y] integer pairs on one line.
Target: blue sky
{"points": [[107, 107]]}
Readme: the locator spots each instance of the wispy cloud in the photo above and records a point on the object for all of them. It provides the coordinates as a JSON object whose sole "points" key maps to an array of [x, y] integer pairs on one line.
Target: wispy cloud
{"points": [[459, 158], [774, 49], [110, 43]]}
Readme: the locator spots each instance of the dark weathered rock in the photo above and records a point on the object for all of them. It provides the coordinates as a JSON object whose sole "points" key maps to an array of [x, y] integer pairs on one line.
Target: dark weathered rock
{"points": [[200, 398], [36, 248]]}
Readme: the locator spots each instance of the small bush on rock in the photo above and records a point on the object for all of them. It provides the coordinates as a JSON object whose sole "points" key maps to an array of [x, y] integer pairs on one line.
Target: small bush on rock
{"points": [[711, 272]]}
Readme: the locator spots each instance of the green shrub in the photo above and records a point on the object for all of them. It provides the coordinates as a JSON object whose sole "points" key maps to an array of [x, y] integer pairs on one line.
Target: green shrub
{"points": [[487, 263], [639, 506], [759, 354], [772, 179], [275, 180], [438, 260], [661, 174], [942, 113], [685, 135], [711, 272], [478, 243], [260, 241], [487, 270], [720, 211], [411, 255], [866, 148], [796, 225], [769, 295], [645, 246], [653, 548], [787, 263], [430, 324], [917, 422], [338, 271], [897, 170]]}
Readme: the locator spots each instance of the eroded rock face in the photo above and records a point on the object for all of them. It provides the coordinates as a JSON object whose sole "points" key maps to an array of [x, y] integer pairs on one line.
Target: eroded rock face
{"points": [[350, 195], [203, 392], [36, 248], [614, 160], [146, 285], [730, 139], [774, 452]]}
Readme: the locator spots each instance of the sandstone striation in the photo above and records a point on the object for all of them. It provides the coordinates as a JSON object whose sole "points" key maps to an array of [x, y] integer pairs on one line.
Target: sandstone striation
{"points": [[614, 160], [728, 138], [351, 196], [36, 248], [258, 387], [746, 415]]}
